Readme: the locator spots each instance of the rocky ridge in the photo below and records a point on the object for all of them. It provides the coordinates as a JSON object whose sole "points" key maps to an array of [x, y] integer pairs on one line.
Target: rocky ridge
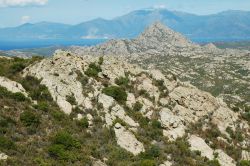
{"points": [[174, 104], [222, 72]]}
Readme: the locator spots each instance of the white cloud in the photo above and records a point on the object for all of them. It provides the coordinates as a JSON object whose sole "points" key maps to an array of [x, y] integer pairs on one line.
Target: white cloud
{"points": [[22, 3], [25, 19]]}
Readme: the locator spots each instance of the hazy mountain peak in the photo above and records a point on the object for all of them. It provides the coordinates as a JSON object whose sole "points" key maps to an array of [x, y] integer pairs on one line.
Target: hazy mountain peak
{"points": [[160, 33]]}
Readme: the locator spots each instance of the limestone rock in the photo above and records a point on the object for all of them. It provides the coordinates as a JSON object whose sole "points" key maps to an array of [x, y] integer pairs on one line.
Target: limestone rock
{"points": [[166, 163], [224, 159], [12, 86], [245, 155], [106, 101], [172, 124], [127, 140], [3, 156], [199, 144]]}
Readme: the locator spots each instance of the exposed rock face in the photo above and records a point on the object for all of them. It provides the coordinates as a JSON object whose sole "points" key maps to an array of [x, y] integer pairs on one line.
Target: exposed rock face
{"points": [[12, 86], [169, 51], [224, 159], [127, 140], [176, 107], [199, 144], [245, 155], [3, 156], [166, 163]]}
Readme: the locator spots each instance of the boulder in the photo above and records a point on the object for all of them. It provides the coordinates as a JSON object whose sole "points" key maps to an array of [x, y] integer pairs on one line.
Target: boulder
{"points": [[199, 144], [3, 156], [127, 140], [12, 86]]}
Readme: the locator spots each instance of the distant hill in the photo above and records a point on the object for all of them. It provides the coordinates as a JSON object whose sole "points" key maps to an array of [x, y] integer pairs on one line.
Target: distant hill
{"points": [[225, 26]]}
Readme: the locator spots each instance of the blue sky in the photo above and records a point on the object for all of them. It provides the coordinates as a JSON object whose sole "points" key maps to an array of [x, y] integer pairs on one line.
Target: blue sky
{"points": [[17, 12]]}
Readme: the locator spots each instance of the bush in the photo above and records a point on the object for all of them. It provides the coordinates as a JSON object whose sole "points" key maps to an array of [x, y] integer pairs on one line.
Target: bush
{"points": [[71, 99], [19, 97], [63, 147], [6, 143], [213, 163], [156, 124], [17, 67], [58, 115], [122, 81], [83, 123], [137, 106], [147, 163], [43, 106], [244, 163], [153, 152], [100, 62], [93, 70], [116, 92], [59, 151], [246, 116], [29, 118], [65, 139]]}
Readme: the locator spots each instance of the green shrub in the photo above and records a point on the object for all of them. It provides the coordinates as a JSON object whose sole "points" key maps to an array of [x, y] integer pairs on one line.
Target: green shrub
{"points": [[43, 106], [246, 116], [122, 81], [244, 163], [147, 163], [213, 163], [137, 106], [116, 92], [152, 152], [156, 124], [236, 109], [83, 122], [17, 67], [65, 139], [58, 115], [100, 62], [6, 143], [71, 99], [59, 152], [29, 118], [19, 96], [93, 70]]}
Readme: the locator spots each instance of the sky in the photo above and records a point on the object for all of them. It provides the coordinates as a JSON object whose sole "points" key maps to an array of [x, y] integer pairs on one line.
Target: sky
{"points": [[17, 12]]}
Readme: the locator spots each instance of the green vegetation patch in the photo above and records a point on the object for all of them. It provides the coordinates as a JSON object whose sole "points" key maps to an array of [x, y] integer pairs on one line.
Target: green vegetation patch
{"points": [[118, 93]]}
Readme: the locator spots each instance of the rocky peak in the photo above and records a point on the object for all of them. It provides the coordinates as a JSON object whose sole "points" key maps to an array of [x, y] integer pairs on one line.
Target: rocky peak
{"points": [[162, 33], [157, 39]]}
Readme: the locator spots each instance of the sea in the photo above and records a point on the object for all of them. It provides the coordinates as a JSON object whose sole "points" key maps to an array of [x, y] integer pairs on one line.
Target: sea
{"points": [[13, 45]]}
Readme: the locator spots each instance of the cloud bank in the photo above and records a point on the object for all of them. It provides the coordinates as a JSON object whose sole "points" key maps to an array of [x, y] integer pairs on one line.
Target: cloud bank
{"points": [[22, 3]]}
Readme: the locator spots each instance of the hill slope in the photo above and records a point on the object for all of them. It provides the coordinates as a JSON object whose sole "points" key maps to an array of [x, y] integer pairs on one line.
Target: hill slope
{"points": [[85, 110]]}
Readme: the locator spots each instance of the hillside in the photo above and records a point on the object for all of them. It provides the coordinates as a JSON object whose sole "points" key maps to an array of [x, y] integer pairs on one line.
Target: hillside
{"points": [[224, 26], [222, 72], [85, 110]]}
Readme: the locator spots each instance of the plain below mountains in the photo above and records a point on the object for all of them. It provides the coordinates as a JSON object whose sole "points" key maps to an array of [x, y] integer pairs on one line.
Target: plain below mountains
{"points": [[224, 26]]}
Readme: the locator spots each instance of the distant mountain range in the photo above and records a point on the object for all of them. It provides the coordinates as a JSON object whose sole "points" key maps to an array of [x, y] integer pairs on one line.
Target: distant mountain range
{"points": [[225, 26]]}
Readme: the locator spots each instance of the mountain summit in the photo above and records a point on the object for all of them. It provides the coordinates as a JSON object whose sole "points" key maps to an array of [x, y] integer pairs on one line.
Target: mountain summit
{"points": [[159, 33], [156, 39]]}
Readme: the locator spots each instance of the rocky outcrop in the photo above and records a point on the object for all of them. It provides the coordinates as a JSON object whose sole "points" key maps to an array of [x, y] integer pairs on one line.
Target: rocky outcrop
{"points": [[176, 105], [166, 163], [3, 156], [127, 140], [245, 155], [12, 86], [224, 159], [199, 144]]}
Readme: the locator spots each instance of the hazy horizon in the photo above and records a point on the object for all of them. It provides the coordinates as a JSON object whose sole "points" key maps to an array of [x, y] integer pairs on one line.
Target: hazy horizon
{"points": [[18, 12]]}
